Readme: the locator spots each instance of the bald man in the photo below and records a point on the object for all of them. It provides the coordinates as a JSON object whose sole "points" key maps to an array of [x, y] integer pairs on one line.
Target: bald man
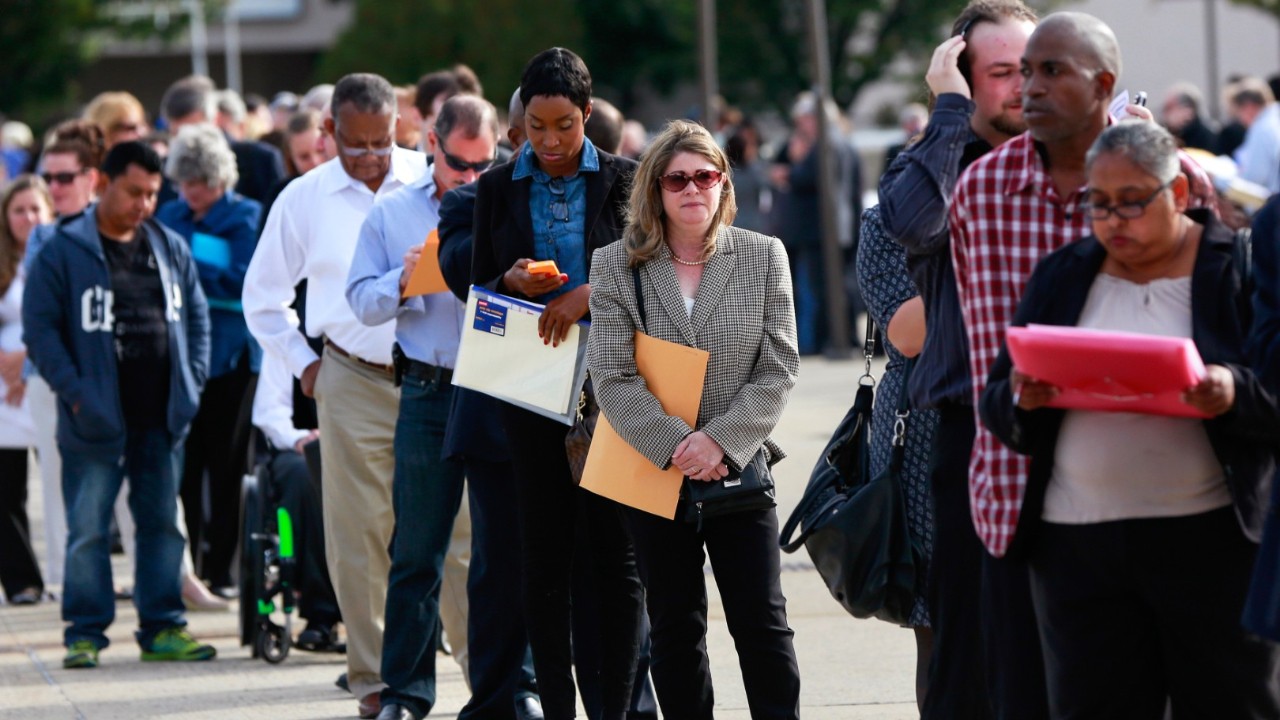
{"points": [[1011, 208]]}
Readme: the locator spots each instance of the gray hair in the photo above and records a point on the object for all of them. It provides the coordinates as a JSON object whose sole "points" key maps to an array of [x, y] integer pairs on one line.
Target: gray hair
{"points": [[194, 93], [317, 98], [1145, 144], [231, 104], [200, 152], [366, 92], [470, 114]]}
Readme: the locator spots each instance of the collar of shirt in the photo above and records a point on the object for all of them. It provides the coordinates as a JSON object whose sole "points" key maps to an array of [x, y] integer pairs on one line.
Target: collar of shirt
{"points": [[336, 179], [427, 183], [526, 166]]}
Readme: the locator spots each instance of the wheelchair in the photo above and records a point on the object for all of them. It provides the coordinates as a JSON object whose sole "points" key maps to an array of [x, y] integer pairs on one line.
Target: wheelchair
{"points": [[268, 568]]}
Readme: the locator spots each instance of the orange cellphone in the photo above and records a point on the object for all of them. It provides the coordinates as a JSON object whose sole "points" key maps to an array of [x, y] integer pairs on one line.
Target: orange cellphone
{"points": [[542, 267]]}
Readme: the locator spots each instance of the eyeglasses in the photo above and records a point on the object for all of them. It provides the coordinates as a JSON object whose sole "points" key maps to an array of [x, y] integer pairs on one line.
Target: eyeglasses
{"points": [[1128, 211], [460, 165], [559, 203], [357, 152], [62, 178], [677, 181], [121, 127]]}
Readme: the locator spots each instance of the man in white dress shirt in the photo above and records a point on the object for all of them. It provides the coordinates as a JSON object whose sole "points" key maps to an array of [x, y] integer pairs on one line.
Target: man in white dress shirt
{"points": [[311, 234]]}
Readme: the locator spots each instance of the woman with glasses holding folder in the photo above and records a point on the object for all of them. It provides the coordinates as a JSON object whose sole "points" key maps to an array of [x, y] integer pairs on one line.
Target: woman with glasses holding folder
{"points": [[1143, 528], [727, 291], [559, 199]]}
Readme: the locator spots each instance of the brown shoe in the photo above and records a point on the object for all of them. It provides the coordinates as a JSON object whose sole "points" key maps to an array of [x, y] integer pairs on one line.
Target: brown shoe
{"points": [[370, 705]]}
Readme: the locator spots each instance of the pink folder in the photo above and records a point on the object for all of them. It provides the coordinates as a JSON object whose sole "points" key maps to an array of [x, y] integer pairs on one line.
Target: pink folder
{"points": [[1109, 371]]}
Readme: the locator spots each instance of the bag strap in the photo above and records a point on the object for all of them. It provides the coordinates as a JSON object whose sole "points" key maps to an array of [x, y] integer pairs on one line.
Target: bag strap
{"points": [[901, 414], [644, 321]]}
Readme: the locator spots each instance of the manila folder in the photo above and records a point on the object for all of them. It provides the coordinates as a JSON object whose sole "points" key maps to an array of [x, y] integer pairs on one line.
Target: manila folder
{"points": [[675, 375], [427, 278]]}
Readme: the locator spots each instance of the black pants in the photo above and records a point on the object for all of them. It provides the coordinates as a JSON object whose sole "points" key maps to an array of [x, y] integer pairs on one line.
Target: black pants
{"points": [[1135, 611], [549, 512], [1014, 660], [214, 451], [956, 677], [18, 568], [301, 498], [747, 564]]}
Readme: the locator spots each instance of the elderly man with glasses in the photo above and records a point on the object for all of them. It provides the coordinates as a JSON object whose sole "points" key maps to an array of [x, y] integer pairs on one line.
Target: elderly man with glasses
{"points": [[311, 234]]}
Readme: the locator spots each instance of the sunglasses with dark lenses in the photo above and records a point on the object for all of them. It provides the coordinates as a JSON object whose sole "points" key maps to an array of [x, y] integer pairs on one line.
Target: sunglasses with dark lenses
{"points": [[61, 178], [677, 181], [460, 165]]}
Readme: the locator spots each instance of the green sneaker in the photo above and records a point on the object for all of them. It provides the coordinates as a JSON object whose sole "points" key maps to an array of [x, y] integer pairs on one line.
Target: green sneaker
{"points": [[81, 654], [176, 644]]}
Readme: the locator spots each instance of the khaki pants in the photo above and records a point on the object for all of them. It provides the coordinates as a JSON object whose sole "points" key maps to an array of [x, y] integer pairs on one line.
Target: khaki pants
{"points": [[357, 408], [453, 590]]}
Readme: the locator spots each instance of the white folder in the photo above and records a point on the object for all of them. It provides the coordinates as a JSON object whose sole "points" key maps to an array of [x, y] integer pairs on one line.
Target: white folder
{"points": [[502, 356]]}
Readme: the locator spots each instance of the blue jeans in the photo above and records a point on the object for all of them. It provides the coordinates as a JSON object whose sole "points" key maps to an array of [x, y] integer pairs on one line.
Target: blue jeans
{"points": [[89, 488], [426, 493]]}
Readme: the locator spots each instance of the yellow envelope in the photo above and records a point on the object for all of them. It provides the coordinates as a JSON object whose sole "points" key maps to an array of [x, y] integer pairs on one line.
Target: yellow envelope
{"points": [[675, 375], [426, 278]]}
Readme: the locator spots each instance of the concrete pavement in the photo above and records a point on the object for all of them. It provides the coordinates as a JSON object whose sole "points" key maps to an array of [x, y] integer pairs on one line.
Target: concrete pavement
{"points": [[851, 668]]}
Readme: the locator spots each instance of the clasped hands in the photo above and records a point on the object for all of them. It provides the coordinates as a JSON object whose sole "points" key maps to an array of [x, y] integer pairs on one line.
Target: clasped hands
{"points": [[1214, 395], [700, 458]]}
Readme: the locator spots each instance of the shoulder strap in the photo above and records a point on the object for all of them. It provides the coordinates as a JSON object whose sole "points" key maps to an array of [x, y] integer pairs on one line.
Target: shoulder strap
{"points": [[635, 276], [1242, 254]]}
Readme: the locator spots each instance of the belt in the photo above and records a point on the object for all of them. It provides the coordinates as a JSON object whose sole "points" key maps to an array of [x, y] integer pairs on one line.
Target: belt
{"points": [[427, 372], [386, 369]]}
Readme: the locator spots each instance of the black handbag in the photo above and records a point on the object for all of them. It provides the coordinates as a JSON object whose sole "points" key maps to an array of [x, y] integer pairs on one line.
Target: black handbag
{"points": [[748, 488], [853, 525]]}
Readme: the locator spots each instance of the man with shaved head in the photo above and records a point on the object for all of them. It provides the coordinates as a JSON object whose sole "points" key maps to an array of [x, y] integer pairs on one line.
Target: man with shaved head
{"points": [[1011, 208]]}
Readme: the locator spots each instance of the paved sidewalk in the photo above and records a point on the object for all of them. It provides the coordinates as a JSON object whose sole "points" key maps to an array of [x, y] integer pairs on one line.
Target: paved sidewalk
{"points": [[851, 669]]}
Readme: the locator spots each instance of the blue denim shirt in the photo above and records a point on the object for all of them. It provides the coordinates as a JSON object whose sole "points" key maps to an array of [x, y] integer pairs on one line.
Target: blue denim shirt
{"points": [[558, 207]]}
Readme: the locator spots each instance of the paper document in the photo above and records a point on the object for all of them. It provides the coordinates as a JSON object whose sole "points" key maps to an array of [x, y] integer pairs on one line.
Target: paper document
{"points": [[1109, 371], [427, 278], [675, 375], [211, 250], [502, 356]]}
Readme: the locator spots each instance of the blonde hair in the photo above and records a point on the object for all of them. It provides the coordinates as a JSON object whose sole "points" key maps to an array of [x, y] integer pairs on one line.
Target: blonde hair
{"points": [[10, 253], [646, 220], [108, 109]]}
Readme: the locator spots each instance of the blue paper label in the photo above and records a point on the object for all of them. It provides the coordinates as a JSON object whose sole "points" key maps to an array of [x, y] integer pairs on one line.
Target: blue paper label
{"points": [[491, 318]]}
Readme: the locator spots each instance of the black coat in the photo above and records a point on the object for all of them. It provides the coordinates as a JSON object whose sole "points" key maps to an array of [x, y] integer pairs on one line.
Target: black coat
{"points": [[1242, 438], [504, 223], [261, 168]]}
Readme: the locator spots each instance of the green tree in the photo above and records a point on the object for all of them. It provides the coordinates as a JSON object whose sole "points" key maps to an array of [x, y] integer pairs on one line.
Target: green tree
{"points": [[1268, 6], [402, 40]]}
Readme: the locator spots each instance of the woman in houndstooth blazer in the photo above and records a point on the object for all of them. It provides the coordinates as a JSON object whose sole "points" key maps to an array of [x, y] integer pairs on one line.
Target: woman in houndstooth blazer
{"points": [[727, 291]]}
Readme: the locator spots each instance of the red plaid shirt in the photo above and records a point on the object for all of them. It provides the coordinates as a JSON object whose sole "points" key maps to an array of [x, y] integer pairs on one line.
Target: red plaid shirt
{"points": [[1005, 216]]}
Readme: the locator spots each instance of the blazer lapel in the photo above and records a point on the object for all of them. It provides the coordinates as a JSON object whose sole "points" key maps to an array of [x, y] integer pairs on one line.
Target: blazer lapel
{"points": [[715, 277], [520, 212], [662, 276], [598, 185]]}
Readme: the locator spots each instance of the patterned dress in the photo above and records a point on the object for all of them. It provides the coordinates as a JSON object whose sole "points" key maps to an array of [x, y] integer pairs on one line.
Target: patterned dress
{"points": [[882, 275]]}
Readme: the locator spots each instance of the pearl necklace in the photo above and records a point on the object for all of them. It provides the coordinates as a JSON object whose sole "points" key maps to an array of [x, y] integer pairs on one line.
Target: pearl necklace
{"points": [[690, 263]]}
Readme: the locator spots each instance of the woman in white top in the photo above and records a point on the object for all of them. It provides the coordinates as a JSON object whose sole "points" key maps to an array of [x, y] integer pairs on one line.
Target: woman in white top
{"points": [[24, 204], [1143, 528]]}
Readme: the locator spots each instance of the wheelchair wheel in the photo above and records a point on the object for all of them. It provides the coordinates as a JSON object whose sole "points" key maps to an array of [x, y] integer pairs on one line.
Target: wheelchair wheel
{"points": [[252, 562], [272, 644]]}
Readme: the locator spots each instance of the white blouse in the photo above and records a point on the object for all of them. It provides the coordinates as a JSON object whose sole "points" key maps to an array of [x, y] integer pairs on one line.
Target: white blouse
{"points": [[1114, 466], [16, 427]]}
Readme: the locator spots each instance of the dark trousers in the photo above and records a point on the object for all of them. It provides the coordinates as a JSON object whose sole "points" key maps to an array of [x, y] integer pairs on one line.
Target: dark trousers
{"points": [[426, 492], [747, 564], [213, 468], [1134, 611], [18, 567], [549, 512], [1014, 660], [301, 498], [956, 687], [497, 645]]}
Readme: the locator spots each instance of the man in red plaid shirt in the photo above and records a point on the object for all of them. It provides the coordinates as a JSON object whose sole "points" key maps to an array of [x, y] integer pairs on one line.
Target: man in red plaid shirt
{"points": [[1011, 208]]}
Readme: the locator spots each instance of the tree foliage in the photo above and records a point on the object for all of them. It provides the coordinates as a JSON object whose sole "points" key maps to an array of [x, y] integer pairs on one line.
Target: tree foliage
{"points": [[1271, 7]]}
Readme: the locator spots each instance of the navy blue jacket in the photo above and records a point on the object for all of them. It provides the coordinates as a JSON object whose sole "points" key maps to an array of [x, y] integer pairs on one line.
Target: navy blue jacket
{"points": [[915, 192], [234, 221], [68, 331], [1265, 337], [475, 429], [261, 168], [1243, 438]]}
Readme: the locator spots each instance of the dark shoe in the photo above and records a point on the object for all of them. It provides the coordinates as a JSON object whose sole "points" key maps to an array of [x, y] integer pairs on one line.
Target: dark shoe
{"points": [[341, 683], [175, 644], [81, 654], [318, 637], [124, 593], [396, 711], [28, 596], [226, 592], [369, 706], [528, 708]]}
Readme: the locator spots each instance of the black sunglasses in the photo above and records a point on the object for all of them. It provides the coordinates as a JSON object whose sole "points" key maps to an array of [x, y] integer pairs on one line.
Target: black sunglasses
{"points": [[460, 165], [677, 181], [61, 178]]}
